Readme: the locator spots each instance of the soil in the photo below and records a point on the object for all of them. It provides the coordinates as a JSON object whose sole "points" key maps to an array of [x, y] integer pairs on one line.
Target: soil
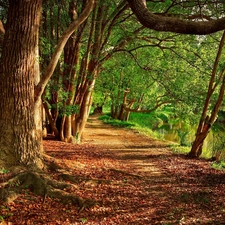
{"points": [[133, 179], [127, 146]]}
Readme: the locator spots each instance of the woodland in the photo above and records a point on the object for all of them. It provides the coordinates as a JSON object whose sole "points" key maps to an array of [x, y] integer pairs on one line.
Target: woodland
{"points": [[62, 60]]}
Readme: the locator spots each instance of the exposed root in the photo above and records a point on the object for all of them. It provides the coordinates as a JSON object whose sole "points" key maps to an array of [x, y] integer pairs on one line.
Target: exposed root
{"points": [[41, 184]]}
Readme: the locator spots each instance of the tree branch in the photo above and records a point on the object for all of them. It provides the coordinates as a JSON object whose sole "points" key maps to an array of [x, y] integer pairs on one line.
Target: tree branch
{"points": [[148, 110], [59, 48], [171, 24]]}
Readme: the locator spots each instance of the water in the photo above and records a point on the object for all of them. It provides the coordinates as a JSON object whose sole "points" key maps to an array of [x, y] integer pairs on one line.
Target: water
{"points": [[183, 134]]}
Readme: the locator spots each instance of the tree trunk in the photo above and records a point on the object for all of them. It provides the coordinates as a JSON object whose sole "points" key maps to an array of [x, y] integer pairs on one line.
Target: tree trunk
{"points": [[71, 60], [20, 143], [68, 129], [84, 111], [202, 133], [52, 121], [206, 122], [197, 145]]}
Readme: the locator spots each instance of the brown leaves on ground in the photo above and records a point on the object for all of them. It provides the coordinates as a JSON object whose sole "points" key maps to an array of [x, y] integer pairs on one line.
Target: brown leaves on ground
{"points": [[132, 180]]}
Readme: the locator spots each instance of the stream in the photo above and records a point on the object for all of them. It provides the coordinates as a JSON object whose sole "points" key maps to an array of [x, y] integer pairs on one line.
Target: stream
{"points": [[184, 135]]}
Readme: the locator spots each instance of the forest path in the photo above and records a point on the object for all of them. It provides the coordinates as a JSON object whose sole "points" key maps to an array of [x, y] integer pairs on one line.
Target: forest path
{"points": [[128, 146], [133, 179]]}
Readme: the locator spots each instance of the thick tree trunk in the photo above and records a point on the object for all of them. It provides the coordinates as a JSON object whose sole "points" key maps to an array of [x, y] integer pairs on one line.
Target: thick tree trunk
{"points": [[20, 143]]}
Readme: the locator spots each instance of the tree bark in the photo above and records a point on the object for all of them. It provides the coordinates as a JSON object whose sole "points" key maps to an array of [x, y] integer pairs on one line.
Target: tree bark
{"points": [[172, 24], [206, 122], [71, 60], [39, 89], [20, 143]]}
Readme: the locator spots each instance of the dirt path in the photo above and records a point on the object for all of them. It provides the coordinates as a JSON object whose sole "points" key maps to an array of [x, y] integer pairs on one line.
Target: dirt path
{"points": [[175, 189], [128, 146]]}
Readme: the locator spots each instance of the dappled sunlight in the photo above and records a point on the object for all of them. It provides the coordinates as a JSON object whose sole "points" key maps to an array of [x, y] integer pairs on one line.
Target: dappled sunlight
{"points": [[132, 179]]}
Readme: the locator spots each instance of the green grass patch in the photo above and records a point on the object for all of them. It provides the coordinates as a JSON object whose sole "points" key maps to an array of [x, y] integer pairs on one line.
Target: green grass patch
{"points": [[219, 165], [136, 125], [146, 120], [117, 123], [177, 149]]}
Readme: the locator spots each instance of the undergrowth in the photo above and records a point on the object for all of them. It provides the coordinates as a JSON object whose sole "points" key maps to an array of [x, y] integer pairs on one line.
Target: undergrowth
{"points": [[117, 123], [131, 125], [219, 165]]}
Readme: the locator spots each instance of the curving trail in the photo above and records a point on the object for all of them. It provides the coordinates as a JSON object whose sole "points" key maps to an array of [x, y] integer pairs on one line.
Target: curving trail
{"points": [[174, 189], [128, 146]]}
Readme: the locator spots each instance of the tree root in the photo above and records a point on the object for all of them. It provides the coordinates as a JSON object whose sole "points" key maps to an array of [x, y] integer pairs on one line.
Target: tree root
{"points": [[41, 184]]}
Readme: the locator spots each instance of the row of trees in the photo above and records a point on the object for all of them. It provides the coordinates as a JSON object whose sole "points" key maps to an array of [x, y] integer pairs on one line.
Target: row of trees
{"points": [[82, 42]]}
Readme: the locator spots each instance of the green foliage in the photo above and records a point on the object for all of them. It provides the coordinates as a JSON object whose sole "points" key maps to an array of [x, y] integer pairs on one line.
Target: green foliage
{"points": [[83, 220], [178, 74], [6, 212], [4, 171], [147, 120], [218, 148], [219, 165], [138, 124], [180, 149], [69, 110], [165, 124], [45, 46], [1, 218], [183, 137], [117, 123]]}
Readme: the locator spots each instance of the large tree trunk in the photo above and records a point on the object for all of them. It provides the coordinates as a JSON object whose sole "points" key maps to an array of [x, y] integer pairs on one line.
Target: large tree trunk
{"points": [[19, 142]]}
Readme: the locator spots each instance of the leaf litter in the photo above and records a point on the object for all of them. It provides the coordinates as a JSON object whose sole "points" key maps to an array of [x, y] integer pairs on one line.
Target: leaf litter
{"points": [[137, 182]]}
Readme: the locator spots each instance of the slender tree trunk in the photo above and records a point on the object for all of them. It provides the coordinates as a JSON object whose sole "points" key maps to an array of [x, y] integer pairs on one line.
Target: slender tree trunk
{"points": [[84, 111], [52, 122], [71, 60], [206, 122], [20, 142]]}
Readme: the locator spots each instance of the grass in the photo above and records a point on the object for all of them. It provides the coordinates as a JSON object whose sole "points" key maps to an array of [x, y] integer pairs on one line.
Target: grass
{"points": [[219, 165], [117, 123], [146, 123], [177, 149], [3, 171], [137, 125]]}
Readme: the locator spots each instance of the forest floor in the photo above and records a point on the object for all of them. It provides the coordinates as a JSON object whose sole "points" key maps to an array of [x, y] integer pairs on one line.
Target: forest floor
{"points": [[133, 179]]}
